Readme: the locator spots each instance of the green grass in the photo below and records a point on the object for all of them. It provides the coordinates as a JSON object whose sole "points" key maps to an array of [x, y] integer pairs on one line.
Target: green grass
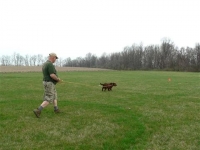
{"points": [[144, 112]]}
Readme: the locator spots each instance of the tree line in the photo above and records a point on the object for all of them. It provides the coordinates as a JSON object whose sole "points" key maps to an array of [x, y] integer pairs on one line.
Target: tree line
{"points": [[136, 57], [18, 60]]}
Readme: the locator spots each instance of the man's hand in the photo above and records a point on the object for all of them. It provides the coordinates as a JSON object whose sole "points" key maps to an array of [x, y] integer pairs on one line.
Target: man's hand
{"points": [[60, 81]]}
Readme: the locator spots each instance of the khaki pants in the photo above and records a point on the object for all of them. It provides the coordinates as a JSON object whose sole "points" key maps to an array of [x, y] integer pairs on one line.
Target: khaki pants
{"points": [[50, 93]]}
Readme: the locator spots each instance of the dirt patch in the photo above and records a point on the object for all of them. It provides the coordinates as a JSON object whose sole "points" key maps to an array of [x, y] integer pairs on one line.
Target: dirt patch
{"points": [[39, 69]]}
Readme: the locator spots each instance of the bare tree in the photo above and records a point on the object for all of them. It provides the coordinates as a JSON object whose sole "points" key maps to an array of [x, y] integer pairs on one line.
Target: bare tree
{"points": [[6, 60], [17, 59], [125, 58], [40, 60], [67, 62], [115, 61], [26, 60], [59, 62], [21, 60], [14, 59], [167, 47], [103, 61], [33, 60], [197, 49]]}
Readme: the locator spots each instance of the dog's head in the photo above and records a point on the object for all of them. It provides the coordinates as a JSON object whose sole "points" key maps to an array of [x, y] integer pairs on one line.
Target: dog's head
{"points": [[113, 84]]}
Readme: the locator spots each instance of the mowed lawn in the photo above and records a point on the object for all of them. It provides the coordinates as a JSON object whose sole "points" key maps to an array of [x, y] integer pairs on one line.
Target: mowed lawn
{"points": [[145, 111]]}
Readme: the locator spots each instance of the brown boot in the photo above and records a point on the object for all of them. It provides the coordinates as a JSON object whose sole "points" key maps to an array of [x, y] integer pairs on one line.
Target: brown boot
{"points": [[57, 111], [37, 112]]}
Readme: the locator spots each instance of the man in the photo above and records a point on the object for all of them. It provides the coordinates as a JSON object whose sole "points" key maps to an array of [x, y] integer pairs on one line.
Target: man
{"points": [[50, 78]]}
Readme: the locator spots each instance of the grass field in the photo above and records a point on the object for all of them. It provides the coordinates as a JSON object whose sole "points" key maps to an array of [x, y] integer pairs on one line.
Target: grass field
{"points": [[144, 112]]}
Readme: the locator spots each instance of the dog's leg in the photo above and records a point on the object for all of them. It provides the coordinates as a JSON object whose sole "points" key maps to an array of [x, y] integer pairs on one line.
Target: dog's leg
{"points": [[105, 88]]}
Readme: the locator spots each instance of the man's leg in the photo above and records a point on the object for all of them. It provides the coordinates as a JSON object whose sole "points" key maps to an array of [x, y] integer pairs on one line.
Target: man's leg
{"points": [[55, 102], [44, 104], [37, 111], [56, 110], [48, 97]]}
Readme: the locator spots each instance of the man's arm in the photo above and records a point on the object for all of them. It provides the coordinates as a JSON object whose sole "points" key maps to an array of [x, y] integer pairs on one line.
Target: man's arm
{"points": [[53, 76]]}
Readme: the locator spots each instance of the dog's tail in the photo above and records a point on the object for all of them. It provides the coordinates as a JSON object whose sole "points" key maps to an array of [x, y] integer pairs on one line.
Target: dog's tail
{"points": [[101, 84]]}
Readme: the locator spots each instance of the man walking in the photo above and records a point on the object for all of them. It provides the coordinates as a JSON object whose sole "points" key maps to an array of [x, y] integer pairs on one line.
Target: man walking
{"points": [[50, 78]]}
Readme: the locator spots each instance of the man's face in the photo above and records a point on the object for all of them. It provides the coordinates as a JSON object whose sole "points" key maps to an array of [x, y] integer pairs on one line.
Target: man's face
{"points": [[54, 59]]}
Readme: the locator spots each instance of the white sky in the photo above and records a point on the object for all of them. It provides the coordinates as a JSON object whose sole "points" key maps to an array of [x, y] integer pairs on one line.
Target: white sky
{"points": [[73, 28]]}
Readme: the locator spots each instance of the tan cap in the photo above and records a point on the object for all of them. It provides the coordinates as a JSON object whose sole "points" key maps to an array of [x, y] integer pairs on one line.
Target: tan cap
{"points": [[53, 54]]}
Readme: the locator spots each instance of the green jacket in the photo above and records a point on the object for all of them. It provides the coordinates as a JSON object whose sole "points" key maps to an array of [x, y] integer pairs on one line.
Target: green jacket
{"points": [[47, 69]]}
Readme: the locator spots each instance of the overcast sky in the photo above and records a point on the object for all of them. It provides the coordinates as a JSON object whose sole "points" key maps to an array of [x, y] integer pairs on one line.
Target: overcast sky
{"points": [[73, 28]]}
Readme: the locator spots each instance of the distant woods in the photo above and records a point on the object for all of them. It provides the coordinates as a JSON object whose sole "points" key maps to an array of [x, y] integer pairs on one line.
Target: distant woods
{"points": [[137, 57]]}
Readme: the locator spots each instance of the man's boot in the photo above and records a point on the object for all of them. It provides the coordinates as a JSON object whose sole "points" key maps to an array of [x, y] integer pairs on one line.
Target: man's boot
{"points": [[37, 112]]}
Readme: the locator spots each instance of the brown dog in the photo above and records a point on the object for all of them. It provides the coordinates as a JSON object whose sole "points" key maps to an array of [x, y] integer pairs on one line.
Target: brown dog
{"points": [[108, 86]]}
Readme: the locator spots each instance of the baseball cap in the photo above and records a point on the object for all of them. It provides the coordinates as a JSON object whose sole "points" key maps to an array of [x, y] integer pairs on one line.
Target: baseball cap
{"points": [[53, 54]]}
